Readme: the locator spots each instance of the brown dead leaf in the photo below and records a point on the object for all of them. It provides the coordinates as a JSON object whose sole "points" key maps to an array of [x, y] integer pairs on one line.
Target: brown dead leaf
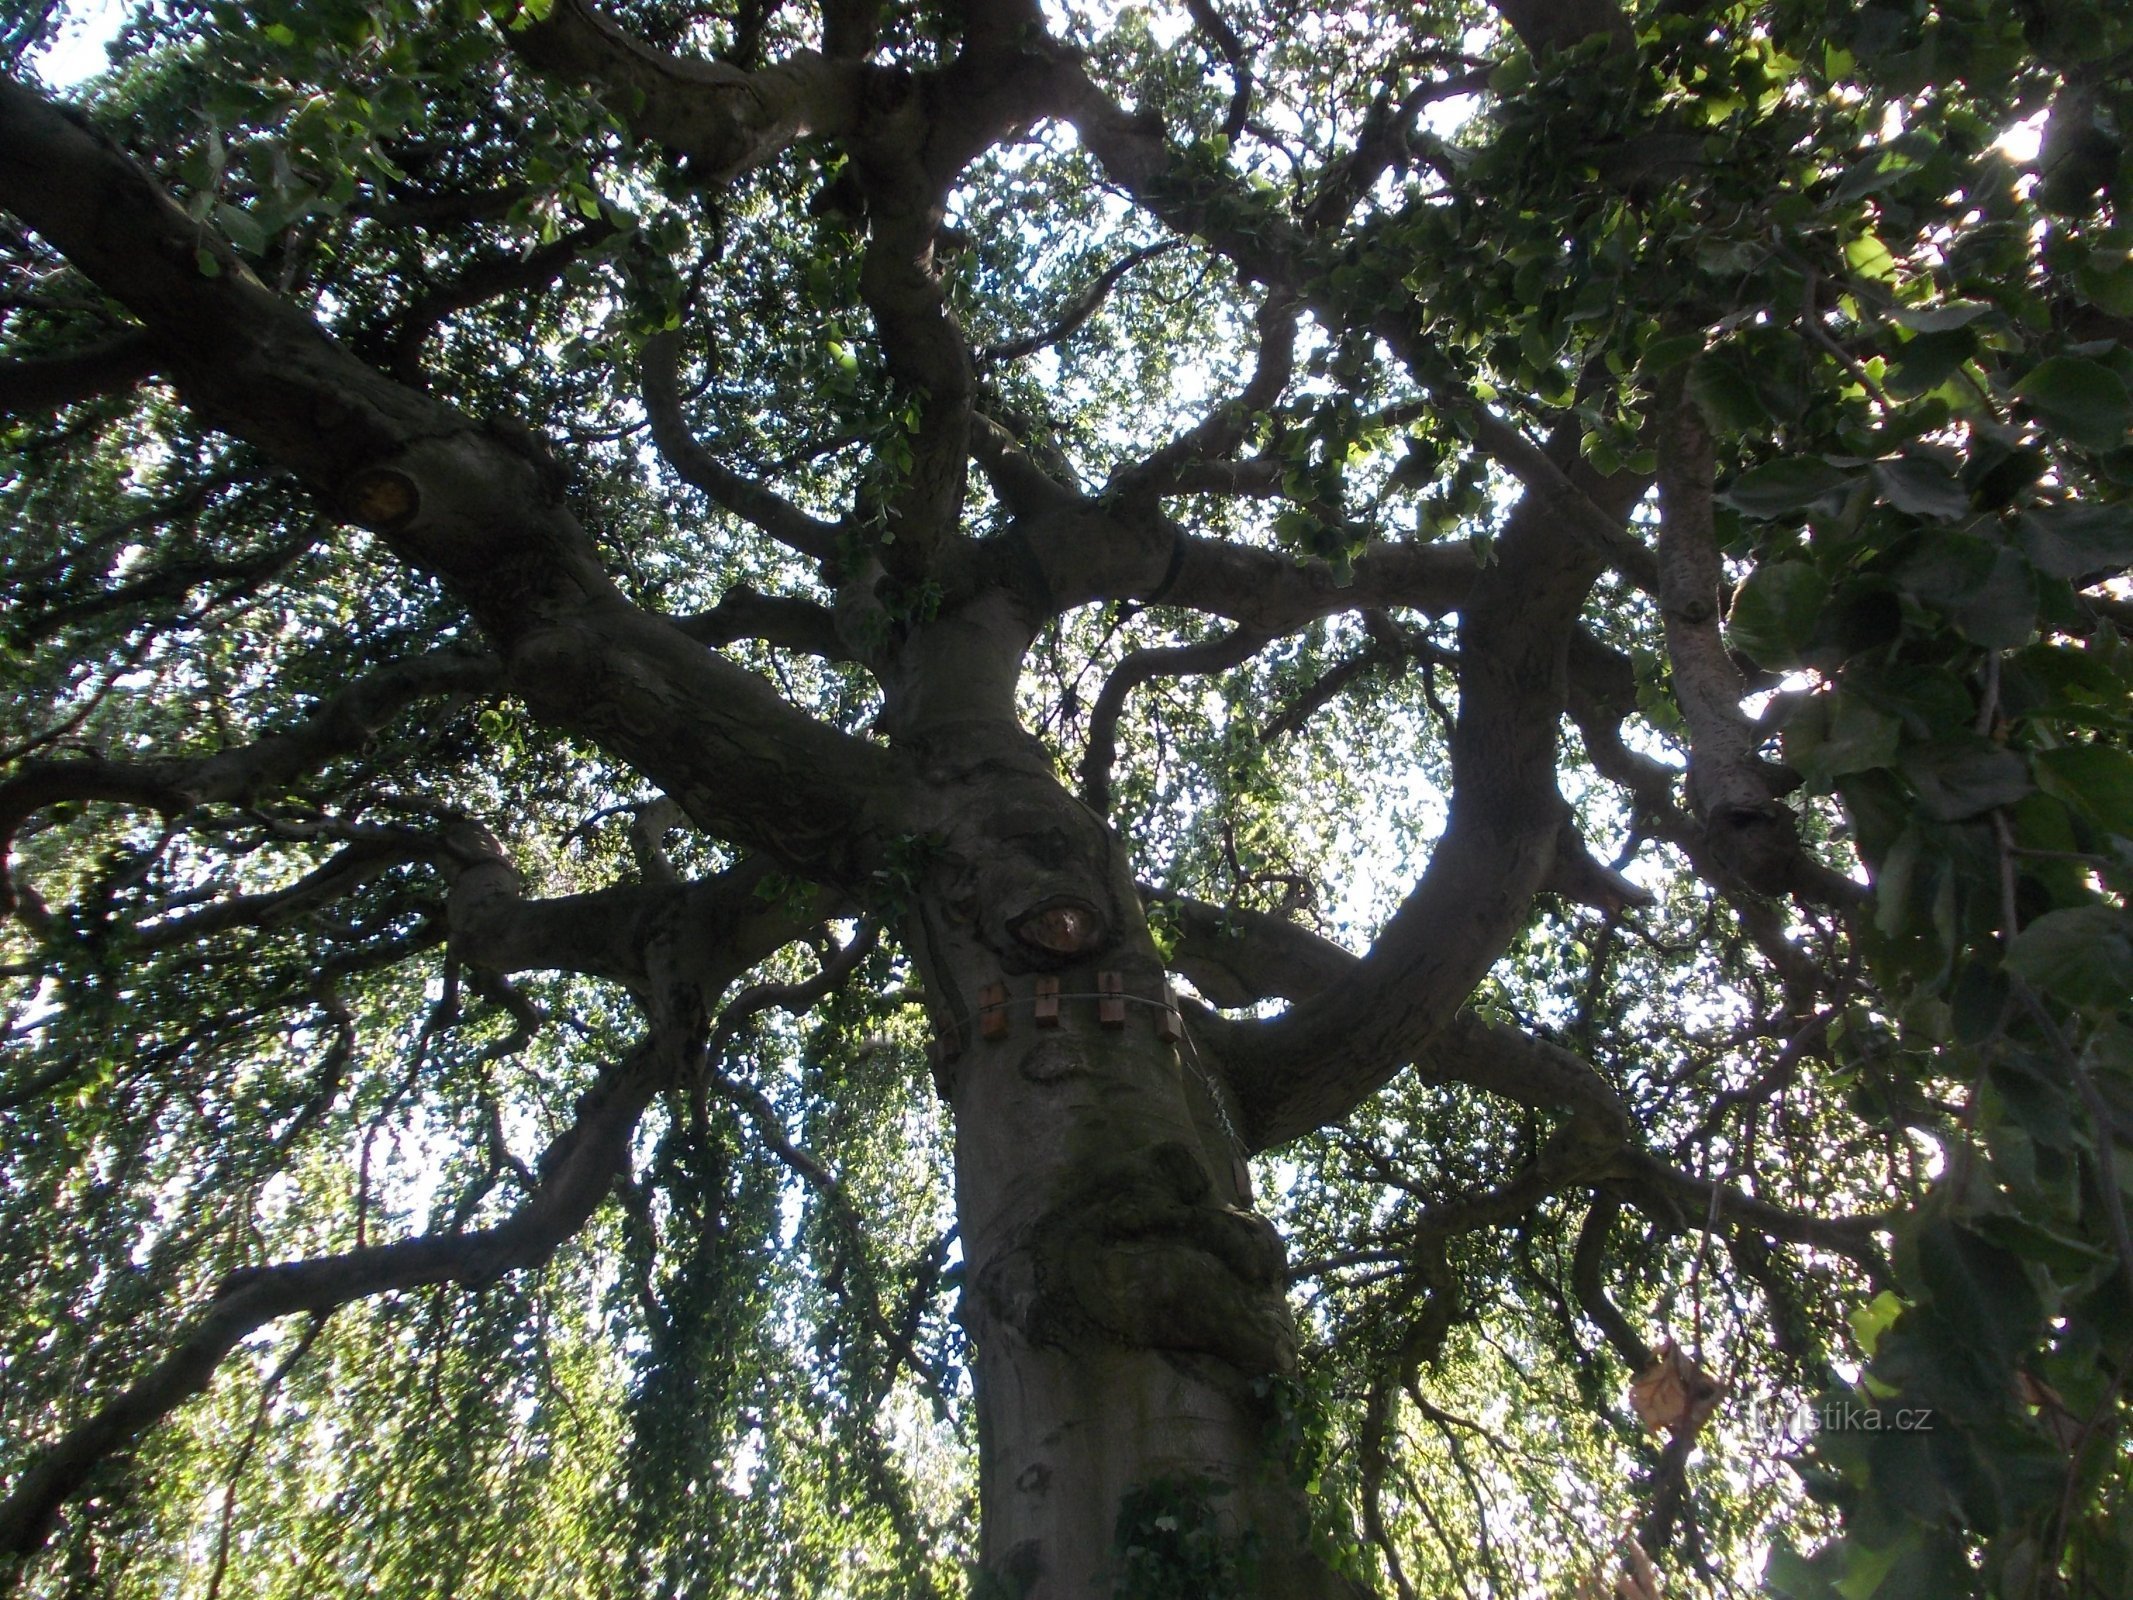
{"points": [[2052, 1410], [1674, 1395]]}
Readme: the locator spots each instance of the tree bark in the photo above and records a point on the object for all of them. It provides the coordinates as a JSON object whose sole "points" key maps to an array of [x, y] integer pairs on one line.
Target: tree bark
{"points": [[1127, 1306]]}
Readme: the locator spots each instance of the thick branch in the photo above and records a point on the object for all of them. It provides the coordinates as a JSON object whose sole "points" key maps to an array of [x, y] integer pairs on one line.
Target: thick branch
{"points": [[745, 498], [1238, 958], [477, 507], [1212, 23], [1319, 1060], [45, 383], [647, 936], [724, 120], [1587, 1265], [1024, 486], [786, 622], [1732, 790], [1092, 552]]}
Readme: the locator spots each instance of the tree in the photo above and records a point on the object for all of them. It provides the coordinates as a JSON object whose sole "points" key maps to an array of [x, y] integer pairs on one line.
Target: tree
{"points": [[1513, 615]]}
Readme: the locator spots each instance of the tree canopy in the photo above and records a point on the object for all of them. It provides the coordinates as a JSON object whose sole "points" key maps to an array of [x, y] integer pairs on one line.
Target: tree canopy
{"points": [[902, 799]]}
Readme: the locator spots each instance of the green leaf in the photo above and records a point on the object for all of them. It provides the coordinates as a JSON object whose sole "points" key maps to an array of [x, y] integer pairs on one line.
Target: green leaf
{"points": [[1789, 1574], [1663, 355], [1922, 488], [2077, 541], [1892, 882], [1865, 1571], [1870, 258], [1925, 362], [1774, 613], [1964, 777], [2061, 1254], [2083, 399], [241, 228], [2098, 779], [2082, 956], [1779, 487], [1975, 1286], [1939, 319], [1726, 397], [1838, 734], [1876, 1317], [2001, 611], [1876, 170], [2109, 288]]}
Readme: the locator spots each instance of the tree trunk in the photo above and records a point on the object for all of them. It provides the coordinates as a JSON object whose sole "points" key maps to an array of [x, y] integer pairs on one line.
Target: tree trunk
{"points": [[1128, 1309]]}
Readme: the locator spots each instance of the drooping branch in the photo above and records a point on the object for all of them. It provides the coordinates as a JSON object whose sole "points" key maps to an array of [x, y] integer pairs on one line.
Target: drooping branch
{"points": [[1390, 646], [1645, 1179], [575, 1175], [337, 726], [687, 945], [1272, 250], [1232, 649], [1240, 957], [797, 999], [478, 282], [745, 498], [1083, 306], [352, 867]]}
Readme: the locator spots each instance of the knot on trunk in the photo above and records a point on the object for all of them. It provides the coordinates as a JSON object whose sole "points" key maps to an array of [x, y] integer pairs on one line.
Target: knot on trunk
{"points": [[1758, 845], [1062, 926], [1140, 1253], [381, 499]]}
